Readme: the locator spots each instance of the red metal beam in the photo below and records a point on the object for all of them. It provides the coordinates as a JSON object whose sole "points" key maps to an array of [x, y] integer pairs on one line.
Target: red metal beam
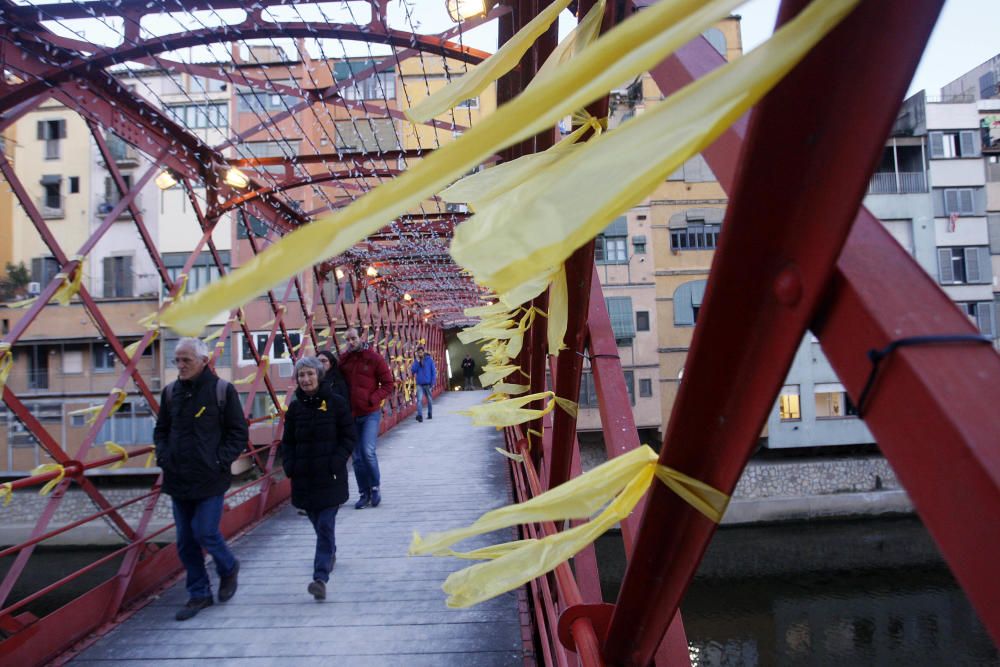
{"points": [[758, 305]]}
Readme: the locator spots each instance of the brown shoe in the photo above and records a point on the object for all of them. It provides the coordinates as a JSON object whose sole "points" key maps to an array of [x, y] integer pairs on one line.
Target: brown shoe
{"points": [[191, 609], [228, 584], [317, 589]]}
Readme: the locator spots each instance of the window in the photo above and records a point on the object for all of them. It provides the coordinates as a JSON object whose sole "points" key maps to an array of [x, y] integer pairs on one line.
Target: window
{"points": [[72, 361], [611, 246], [203, 84], [687, 302], [981, 314], [284, 148], [52, 199], [366, 134], [832, 402], [74, 185], [588, 389], [118, 276], [104, 358], [43, 270], [203, 272], [18, 434], [51, 131], [197, 116], [696, 236], [955, 144], [963, 265], [638, 245], [622, 320], [111, 194], [380, 86], [258, 227], [132, 424], [642, 320], [788, 403], [38, 366], [645, 388], [278, 348], [470, 103], [959, 200]]}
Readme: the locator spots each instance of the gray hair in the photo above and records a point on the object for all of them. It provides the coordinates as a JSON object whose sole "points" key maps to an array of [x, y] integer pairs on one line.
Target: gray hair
{"points": [[196, 345], [310, 362]]}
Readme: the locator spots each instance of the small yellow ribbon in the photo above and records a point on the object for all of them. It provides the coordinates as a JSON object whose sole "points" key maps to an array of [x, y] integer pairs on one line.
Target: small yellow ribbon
{"points": [[509, 412], [200, 412], [616, 486], [70, 283], [114, 448], [130, 350], [49, 467], [150, 458], [322, 406], [181, 290], [265, 363], [512, 456], [6, 364], [95, 410], [7, 493], [22, 304]]}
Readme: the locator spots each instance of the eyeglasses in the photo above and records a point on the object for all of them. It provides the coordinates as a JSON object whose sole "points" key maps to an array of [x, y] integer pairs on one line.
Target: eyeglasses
{"points": [[183, 361]]}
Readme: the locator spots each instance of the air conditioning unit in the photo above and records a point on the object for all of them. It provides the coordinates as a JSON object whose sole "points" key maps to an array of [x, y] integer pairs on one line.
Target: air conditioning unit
{"points": [[456, 208], [34, 289]]}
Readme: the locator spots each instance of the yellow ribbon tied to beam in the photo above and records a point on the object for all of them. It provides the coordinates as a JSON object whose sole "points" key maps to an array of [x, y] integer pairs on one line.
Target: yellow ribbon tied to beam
{"points": [[114, 448], [632, 47], [511, 411], [613, 489], [6, 364], [49, 467], [70, 283], [133, 347], [150, 458], [544, 220], [265, 364], [478, 78], [7, 493], [94, 410]]}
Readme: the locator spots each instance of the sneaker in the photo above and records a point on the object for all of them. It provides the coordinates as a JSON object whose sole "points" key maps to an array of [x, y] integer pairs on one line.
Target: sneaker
{"points": [[363, 502], [420, 418], [228, 584], [430, 416], [191, 609], [376, 497], [317, 589]]}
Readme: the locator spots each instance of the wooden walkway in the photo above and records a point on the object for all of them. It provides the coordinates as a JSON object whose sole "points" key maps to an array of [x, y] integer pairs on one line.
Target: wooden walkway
{"points": [[382, 607]]}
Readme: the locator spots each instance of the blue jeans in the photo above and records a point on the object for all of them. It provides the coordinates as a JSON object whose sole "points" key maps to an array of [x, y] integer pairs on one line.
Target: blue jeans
{"points": [[324, 522], [365, 461], [198, 528], [424, 390]]}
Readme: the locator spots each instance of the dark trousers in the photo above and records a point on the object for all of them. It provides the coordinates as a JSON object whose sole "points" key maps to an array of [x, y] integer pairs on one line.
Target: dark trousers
{"points": [[324, 523], [197, 524]]}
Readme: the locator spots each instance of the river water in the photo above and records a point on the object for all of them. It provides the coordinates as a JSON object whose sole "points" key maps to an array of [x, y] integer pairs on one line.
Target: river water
{"points": [[872, 592]]}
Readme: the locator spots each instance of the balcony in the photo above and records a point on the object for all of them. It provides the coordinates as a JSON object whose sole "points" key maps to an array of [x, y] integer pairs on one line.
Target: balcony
{"points": [[897, 183], [51, 208]]}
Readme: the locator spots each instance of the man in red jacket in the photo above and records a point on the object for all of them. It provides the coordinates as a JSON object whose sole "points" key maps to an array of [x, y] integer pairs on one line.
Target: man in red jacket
{"points": [[370, 382]]}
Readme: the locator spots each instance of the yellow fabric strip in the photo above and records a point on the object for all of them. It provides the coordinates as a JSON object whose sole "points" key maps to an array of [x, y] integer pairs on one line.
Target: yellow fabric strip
{"points": [[572, 45], [558, 312], [265, 364], [646, 38], [49, 467], [6, 364], [70, 284], [509, 412], [150, 458], [7, 493], [114, 448], [478, 78], [513, 457], [544, 220], [131, 349]]}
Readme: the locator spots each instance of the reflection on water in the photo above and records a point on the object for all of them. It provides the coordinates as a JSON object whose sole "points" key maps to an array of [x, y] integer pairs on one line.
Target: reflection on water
{"points": [[845, 593]]}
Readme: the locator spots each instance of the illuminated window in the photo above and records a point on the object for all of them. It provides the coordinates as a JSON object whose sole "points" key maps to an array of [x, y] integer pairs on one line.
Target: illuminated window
{"points": [[788, 403]]}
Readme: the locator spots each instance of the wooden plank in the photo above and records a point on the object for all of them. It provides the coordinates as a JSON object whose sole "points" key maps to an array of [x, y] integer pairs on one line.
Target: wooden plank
{"points": [[382, 607]]}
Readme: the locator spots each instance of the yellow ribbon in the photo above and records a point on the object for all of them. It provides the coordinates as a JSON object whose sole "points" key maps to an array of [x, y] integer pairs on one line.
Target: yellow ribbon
{"points": [[200, 412], [181, 290], [265, 363], [150, 458], [114, 448], [322, 406], [7, 493], [512, 456], [510, 412], [616, 486], [131, 349], [6, 364], [95, 410], [22, 304], [49, 467], [70, 283]]}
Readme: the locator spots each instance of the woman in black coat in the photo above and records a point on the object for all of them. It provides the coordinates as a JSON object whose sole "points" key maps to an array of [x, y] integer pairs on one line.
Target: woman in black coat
{"points": [[318, 439], [332, 375]]}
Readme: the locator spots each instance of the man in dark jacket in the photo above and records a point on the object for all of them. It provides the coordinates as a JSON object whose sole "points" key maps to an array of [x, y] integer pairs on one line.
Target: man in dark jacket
{"points": [[318, 439], [424, 375], [370, 381], [468, 370], [199, 432]]}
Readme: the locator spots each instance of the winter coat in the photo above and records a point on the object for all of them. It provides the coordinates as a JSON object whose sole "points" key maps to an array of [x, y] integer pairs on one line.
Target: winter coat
{"points": [[318, 439], [338, 384], [195, 442], [468, 367], [424, 371], [368, 378]]}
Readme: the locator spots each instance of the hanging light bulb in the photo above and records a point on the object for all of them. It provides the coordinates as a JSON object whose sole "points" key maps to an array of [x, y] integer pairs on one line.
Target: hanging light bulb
{"points": [[371, 271], [166, 180], [237, 178], [427, 311], [407, 297], [339, 273], [459, 10]]}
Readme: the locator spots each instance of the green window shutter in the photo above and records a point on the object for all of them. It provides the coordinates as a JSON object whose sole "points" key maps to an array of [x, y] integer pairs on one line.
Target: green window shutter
{"points": [[620, 313]]}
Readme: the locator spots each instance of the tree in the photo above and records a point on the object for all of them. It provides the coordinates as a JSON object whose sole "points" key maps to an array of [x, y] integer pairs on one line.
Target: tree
{"points": [[12, 285]]}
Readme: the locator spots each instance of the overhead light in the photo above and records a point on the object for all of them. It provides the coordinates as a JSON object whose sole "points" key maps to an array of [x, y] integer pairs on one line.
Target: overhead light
{"points": [[339, 273], [372, 271], [427, 311], [459, 10], [407, 297], [237, 178], [166, 180]]}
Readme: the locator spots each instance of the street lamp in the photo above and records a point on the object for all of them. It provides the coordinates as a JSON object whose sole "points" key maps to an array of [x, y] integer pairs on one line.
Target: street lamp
{"points": [[237, 178], [166, 180], [372, 272], [459, 10]]}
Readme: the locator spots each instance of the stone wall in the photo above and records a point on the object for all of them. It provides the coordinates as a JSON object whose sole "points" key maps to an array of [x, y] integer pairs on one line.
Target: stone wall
{"points": [[815, 477]]}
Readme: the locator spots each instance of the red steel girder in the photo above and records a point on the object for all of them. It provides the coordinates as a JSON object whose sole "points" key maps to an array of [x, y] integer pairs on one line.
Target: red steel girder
{"points": [[758, 304]]}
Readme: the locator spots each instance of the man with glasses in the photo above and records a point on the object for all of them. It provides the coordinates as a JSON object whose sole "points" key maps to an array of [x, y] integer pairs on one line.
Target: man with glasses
{"points": [[199, 432], [370, 382]]}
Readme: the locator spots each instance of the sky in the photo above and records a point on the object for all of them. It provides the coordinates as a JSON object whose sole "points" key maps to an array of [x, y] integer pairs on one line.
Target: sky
{"points": [[967, 34]]}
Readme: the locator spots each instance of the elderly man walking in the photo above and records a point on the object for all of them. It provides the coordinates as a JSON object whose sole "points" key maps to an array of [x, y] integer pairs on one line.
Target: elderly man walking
{"points": [[370, 382], [199, 432]]}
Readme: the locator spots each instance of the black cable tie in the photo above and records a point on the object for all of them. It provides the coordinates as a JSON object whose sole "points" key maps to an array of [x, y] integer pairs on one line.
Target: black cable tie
{"points": [[877, 356]]}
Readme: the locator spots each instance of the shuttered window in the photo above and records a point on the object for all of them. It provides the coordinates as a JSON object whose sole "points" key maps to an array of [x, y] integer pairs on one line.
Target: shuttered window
{"points": [[687, 302], [959, 265], [620, 312], [118, 276]]}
